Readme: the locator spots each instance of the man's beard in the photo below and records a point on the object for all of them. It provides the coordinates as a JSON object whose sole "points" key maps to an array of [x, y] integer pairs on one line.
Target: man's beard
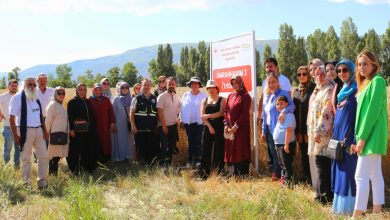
{"points": [[31, 95], [171, 90]]}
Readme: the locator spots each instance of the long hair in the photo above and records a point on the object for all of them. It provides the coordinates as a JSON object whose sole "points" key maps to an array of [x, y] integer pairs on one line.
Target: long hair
{"points": [[362, 81], [271, 75]]}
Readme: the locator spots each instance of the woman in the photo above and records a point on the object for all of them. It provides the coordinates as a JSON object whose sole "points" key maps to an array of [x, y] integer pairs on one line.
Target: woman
{"points": [[106, 90], [371, 133], [301, 97], [161, 86], [83, 147], [191, 118], [136, 90], [212, 110], [343, 181], [330, 69], [237, 129], [270, 118], [122, 144], [320, 124], [56, 121], [105, 120], [313, 65]]}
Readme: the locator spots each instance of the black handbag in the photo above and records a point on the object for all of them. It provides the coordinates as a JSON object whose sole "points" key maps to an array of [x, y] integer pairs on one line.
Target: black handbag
{"points": [[82, 125], [334, 150], [58, 138]]}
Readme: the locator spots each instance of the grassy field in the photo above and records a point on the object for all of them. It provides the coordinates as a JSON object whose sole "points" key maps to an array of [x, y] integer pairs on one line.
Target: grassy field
{"points": [[126, 191]]}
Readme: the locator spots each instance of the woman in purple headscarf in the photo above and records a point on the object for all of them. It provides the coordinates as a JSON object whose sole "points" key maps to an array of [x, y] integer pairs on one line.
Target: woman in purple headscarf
{"points": [[121, 141]]}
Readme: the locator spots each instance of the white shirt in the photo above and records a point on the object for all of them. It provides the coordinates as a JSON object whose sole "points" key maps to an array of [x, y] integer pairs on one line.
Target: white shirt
{"points": [[33, 114], [170, 105], [45, 98], [5, 98], [284, 83], [190, 107]]}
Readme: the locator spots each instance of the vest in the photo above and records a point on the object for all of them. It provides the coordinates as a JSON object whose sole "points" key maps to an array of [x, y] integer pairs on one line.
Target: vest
{"points": [[145, 114]]}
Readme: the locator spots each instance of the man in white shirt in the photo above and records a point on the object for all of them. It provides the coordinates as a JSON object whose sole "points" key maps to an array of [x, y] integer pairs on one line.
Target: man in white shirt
{"points": [[168, 106], [45, 94], [5, 99], [29, 131]]}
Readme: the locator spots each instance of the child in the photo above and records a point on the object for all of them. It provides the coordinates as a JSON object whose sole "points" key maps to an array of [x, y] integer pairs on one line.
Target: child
{"points": [[284, 138]]}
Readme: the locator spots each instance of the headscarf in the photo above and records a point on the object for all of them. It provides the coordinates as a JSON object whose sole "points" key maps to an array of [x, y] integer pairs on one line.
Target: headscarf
{"points": [[118, 88], [240, 83], [77, 88], [105, 92], [303, 87], [350, 85], [58, 88], [124, 99], [96, 85]]}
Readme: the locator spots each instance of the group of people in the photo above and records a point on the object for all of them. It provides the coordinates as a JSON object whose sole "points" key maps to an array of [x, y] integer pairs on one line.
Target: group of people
{"points": [[336, 101], [332, 101]]}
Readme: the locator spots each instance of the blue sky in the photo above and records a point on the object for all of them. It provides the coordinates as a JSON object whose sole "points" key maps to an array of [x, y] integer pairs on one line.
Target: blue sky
{"points": [[59, 31]]}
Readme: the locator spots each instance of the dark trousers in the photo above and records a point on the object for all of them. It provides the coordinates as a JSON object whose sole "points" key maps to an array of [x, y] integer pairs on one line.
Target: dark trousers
{"points": [[213, 150], [286, 160], [272, 156], [323, 188], [167, 144], [147, 147], [305, 161], [241, 169], [53, 166], [194, 135]]}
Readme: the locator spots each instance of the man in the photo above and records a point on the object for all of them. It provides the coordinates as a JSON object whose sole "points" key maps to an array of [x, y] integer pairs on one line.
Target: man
{"points": [[271, 66], [161, 86], [5, 99], [143, 117], [45, 94], [168, 105], [29, 131]]}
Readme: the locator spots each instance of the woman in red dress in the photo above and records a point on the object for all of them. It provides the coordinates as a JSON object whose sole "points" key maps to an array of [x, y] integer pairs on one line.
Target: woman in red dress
{"points": [[237, 129], [105, 120]]}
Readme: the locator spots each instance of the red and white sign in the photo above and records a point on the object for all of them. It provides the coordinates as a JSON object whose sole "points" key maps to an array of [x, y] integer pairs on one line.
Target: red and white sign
{"points": [[234, 56]]}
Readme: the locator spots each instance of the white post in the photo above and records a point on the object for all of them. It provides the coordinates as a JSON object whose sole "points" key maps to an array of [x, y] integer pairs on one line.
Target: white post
{"points": [[255, 137]]}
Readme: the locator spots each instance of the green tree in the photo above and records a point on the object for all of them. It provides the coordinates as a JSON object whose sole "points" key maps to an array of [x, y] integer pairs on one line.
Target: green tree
{"points": [[349, 39], [373, 43], [201, 64], [317, 47], [286, 50], [193, 55], [332, 44], [3, 83], [87, 78], [259, 69], [153, 70], [130, 74], [113, 76], [99, 77], [184, 63], [267, 53], [14, 74], [385, 57], [207, 63], [300, 56]]}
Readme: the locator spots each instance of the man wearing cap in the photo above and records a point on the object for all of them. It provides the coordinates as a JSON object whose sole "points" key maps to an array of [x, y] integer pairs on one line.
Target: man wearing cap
{"points": [[168, 105], [190, 117], [5, 99], [29, 131], [143, 117]]}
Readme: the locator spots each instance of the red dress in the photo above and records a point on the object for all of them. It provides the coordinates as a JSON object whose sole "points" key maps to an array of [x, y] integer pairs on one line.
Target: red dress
{"points": [[237, 112], [104, 116]]}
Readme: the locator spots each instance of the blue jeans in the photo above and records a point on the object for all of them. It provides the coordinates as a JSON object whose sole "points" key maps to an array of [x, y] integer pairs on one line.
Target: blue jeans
{"points": [[194, 135], [8, 142], [272, 156]]}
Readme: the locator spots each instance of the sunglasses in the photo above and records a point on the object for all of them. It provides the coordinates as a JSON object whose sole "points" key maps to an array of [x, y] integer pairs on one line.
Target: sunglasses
{"points": [[344, 70], [32, 85], [161, 81], [106, 83], [60, 93], [125, 87], [302, 74]]}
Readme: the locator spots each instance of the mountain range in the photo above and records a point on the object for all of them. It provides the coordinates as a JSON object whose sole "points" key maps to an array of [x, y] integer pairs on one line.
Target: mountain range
{"points": [[139, 56]]}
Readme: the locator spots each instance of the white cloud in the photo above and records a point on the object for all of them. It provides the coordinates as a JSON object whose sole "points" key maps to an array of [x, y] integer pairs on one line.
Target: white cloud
{"points": [[366, 2], [139, 7]]}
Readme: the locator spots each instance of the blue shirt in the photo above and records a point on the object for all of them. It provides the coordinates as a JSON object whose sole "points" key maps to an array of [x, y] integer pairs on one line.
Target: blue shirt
{"points": [[281, 128], [271, 115]]}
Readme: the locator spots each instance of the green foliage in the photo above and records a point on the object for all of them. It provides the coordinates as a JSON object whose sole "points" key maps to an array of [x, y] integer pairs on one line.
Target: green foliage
{"points": [[373, 43], [163, 65], [64, 77], [300, 56], [87, 78], [332, 44], [349, 39], [113, 75], [259, 69], [286, 50], [317, 47], [3, 83], [14, 74], [130, 74], [385, 58], [153, 70]]}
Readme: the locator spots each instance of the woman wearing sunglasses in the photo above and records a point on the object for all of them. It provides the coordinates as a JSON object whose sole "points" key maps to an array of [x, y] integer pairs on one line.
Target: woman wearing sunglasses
{"points": [[57, 121], [301, 97]]}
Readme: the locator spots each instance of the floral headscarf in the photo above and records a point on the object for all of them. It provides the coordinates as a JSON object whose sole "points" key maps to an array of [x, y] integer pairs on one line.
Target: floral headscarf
{"points": [[105, 92]]}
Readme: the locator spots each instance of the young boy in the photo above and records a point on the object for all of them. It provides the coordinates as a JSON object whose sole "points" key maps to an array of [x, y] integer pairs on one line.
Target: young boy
{"points": [[284, 138]]}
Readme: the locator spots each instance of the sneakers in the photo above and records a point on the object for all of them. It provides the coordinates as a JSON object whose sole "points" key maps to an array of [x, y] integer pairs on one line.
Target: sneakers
{"points": [[42, 184], [282, 181], [274, 177]]}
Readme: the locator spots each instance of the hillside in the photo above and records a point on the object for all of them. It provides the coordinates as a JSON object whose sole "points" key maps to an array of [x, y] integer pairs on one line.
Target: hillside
{"points": [[140, 57]]}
